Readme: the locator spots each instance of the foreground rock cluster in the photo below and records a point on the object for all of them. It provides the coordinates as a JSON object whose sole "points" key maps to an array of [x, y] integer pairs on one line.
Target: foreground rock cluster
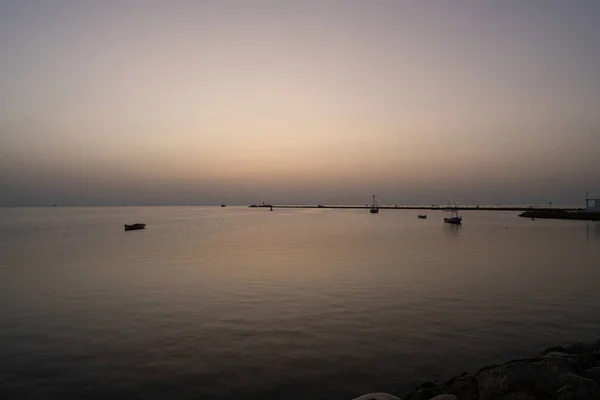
{"points": [[557, 373]]}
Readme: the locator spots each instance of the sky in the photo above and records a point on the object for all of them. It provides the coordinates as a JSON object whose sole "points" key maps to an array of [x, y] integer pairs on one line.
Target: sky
{"points": [[147, 102]]}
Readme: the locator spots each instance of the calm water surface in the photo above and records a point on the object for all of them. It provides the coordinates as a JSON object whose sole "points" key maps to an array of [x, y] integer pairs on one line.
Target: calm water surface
{"points": [[298, 304]]}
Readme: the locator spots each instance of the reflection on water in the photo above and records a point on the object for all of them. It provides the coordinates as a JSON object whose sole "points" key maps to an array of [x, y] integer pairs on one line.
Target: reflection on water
{"points": [[234, 303], [592, 229], [452, 229]]}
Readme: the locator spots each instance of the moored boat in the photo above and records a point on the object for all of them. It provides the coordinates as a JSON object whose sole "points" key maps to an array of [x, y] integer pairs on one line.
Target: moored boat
{"points": [[422, 216], [452, 215], [134, 227], [374, 207]]}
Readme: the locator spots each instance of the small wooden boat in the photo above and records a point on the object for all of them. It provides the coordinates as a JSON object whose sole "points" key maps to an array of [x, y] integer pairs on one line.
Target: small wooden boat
{"points": [[134, 227], [422, 216]]}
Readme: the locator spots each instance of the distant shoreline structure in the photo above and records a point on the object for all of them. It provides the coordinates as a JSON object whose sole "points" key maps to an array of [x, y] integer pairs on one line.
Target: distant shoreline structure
{"points": [[526, 212], [591, 212], [432, 207], [553, 213]]}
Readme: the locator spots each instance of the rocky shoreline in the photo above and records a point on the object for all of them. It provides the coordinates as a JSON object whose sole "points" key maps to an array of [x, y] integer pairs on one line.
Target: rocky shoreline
{"points": [[557, 373]]}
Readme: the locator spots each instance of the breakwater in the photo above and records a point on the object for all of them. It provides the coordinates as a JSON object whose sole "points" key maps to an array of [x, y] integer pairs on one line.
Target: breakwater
{"points": [[561, 373], [561, 214]]}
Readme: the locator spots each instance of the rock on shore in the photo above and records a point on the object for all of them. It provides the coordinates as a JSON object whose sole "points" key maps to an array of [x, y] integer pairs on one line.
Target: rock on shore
{"points": [[557, 373]]}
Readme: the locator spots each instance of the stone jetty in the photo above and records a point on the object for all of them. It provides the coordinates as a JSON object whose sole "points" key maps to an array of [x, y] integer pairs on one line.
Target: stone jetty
{"points": [[557, 373], [561, 214]]}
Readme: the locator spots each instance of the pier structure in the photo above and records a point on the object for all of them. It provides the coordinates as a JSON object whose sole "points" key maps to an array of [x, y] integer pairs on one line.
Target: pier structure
{"points": [[592, 205]]}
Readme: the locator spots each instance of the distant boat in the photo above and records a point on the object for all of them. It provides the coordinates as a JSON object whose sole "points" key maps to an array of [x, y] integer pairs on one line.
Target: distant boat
{"points": [[452, 215], [134, 227], [374, 207], [422, 216], [223, 205]]}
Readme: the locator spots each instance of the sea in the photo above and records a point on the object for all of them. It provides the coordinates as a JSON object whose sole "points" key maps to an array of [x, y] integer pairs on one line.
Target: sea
{"points": [[245, 303]]}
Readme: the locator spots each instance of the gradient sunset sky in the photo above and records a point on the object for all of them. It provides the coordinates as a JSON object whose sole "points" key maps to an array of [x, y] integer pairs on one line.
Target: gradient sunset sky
{"points": [[202, 102]]}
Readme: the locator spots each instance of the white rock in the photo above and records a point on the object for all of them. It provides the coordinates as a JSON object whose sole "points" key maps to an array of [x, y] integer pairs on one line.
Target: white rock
{"points": [[444, 397], [377, 396]]}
